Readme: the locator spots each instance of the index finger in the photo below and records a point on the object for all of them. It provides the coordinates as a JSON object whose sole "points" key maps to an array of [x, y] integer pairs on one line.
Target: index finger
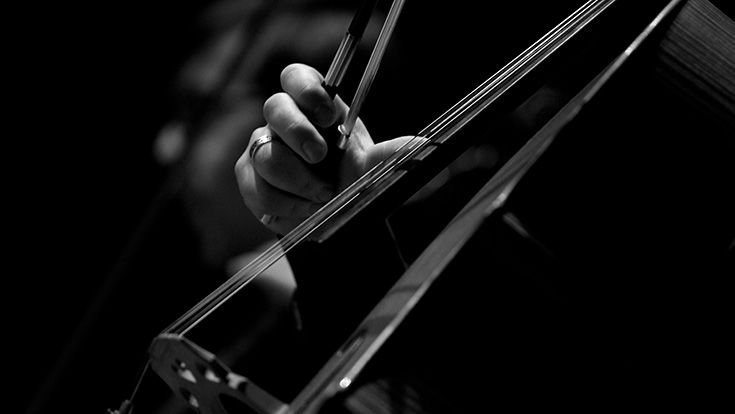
{"points": [[304, 84]]}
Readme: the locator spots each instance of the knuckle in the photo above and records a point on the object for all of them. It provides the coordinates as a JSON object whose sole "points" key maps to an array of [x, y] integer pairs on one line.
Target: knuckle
{"points": [[288, 71], [302, 83], [272, 107], [309, 93], [258, 132], [295, 128]]}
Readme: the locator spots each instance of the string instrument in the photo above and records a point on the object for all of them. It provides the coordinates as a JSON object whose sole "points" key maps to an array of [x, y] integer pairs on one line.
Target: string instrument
{"points": [[587, 268]]}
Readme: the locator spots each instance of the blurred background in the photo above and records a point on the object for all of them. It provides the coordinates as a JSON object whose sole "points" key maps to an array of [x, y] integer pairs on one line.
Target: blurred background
{"points": [[92, 87], [128, 118]]}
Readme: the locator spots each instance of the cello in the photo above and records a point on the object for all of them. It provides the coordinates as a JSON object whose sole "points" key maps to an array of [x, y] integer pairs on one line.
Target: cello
{"points": [[554, 258]]}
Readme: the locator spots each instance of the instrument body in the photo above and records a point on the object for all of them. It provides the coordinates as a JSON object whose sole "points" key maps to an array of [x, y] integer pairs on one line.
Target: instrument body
{"points": [[583, 277]]}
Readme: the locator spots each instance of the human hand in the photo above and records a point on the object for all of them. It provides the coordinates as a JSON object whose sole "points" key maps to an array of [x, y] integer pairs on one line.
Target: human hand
{"points": [[276, 176]]}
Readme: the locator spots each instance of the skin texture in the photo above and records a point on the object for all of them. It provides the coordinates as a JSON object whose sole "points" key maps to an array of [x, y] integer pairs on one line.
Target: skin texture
{"points": [[278, 180], [223, 224]]}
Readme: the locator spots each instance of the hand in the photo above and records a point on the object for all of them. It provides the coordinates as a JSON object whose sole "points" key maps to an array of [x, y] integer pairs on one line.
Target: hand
{"points": [[275, 178]]}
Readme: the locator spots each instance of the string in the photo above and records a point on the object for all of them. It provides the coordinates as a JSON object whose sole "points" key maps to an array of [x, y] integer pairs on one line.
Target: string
{"points": [[332, 80], [436, 132], [439, 130]]}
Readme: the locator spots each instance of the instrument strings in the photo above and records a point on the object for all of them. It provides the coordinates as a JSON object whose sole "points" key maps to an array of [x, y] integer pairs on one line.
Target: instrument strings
{"points": [[436, 132]]}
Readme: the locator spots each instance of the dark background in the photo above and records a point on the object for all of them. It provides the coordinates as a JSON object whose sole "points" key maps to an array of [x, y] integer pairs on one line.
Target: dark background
{"points": [[89, 89]]}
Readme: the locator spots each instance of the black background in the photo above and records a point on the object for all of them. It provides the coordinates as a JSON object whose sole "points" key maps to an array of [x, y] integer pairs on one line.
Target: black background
{"points": [[88, 89]]}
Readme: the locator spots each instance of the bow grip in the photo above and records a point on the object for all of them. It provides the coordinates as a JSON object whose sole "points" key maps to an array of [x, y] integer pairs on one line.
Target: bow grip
{"points": [[328, 168]]}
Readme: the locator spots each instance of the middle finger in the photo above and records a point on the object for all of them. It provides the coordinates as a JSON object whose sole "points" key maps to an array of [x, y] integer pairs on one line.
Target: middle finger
{"points": [[286, 119], [279, 166]]}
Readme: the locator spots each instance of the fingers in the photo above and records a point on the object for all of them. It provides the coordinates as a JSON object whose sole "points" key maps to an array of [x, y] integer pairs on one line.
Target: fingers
{"points": [[304, 84], [304, 105], [263, 198], [293, 127], [274, 181], [276, 202], [383, 150], [282, 169]]}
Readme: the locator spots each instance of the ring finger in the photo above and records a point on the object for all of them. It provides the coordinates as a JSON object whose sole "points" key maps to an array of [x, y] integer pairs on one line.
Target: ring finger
{"points": [[280, 167]]}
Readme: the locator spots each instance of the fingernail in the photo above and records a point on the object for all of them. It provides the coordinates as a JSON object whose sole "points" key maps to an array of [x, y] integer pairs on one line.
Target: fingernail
{"points": [[323, 115], [325, 195], [313, 151]]}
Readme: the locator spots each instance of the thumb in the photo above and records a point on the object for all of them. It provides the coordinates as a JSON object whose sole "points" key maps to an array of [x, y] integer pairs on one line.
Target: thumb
{"points": [[385, 149]]}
